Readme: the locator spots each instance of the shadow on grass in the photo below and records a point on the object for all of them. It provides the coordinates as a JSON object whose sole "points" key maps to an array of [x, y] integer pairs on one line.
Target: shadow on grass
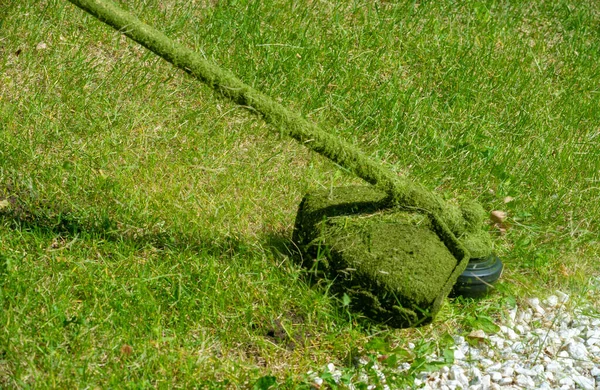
{"points": [[50, 218], [23, 211]]}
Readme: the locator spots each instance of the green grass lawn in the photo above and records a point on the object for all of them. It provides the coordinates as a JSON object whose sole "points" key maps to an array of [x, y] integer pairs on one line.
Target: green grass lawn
{"points": [[145, 222]]}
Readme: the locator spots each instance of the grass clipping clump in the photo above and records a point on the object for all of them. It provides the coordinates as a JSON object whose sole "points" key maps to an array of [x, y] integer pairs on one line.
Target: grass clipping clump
{"points": [[396, 265], [405, 264]]}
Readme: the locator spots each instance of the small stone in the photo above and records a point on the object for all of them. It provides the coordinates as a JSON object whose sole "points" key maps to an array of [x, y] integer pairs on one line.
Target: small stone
{"points": [[525, 381], [592, 341], [562, 297], [577, 351], [525, 371], [478, 334], [566, 381], [553, 367], [41, 46], [568, 334], [535, 305], [487, 362], [456, 373], [508, 371], [506, 380], [512, 335], [563, 354], [583, 382], [475, 353], [497, 341], [538, 369], [518, 347], [498, 216], [496, 377], [458, 354], [551, 301], [486, 381], [475, 376], [494, 367], [595, 371]]}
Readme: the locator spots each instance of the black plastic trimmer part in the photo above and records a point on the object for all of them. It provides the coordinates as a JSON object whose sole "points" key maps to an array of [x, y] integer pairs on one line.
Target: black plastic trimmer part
{"points": [[479, 277]]}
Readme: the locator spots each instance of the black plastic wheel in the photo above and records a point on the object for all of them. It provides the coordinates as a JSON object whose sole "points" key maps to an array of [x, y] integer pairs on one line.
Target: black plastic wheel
{"points": [[479, 277]]}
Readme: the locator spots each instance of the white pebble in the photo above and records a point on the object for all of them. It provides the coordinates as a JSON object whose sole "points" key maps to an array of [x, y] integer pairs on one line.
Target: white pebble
{"points": [[592, 341], [577, 350], [487, 362], [496, 377], [584, 383], [538, 369], [506, 380], [562, 297], [518, 347], [525, 381], [563, 354], [512, 335], [551, 301], [495, 367], [525, 371], [486, 381], [457, 374], [567, 382], [508, 371]]}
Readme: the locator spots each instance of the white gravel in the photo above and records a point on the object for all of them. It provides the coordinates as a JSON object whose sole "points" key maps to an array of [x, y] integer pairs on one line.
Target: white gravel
{"points": [[541, 345]]}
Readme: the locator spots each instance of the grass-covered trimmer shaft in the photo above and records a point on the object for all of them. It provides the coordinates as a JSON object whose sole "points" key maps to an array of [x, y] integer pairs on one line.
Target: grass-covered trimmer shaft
{"points": [[391, 192]]}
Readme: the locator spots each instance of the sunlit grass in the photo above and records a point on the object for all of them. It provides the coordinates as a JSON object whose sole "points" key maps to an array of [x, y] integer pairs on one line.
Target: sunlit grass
{"points": [[145, 239]]}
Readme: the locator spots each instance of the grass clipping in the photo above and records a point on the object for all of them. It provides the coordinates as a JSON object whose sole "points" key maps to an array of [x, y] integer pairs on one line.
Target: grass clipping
{"points": [[449, 220], [396, 265]]}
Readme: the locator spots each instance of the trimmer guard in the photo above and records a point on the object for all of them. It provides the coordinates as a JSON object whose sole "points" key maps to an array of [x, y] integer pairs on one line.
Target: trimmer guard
{"points": [[396, 265]]}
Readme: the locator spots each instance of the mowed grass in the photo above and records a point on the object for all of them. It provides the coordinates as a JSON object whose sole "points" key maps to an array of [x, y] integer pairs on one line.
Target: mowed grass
{"points": [[146, 222]]}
